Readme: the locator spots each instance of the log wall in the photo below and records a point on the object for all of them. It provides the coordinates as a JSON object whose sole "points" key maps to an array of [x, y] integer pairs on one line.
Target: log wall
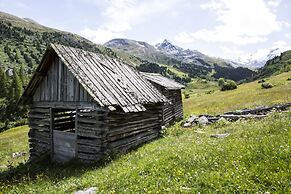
{"points": [[177, 104], [129, 130], [97, 131], [91, 129], [40, 139], [172, 111], [59, 85]]}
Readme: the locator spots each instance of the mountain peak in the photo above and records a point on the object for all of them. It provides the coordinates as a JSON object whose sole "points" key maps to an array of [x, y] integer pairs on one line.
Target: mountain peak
{"points": [[122, 43], [166, 41], [167, 47]]}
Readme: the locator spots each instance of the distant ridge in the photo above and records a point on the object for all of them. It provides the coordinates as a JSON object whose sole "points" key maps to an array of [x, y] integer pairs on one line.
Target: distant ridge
{"points": [[192, 62]]}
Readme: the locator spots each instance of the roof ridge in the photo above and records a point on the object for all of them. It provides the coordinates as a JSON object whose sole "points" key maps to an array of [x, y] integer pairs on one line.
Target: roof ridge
{"points": [[101, 76]]}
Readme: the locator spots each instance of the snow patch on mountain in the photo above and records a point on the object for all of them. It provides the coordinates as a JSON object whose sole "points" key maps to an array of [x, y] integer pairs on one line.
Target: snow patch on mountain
{"points": [[167, 47], [185, 55], [260, 57]]}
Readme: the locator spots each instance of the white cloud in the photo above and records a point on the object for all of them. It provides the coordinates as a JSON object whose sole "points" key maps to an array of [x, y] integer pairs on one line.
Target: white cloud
{"points": [[280, 43], [288, 35], [274, 3], [232, 51], [121, 15], [261, 54], [284, 46], [183, 38], [16, 3], [240, 22], [99, 35], [285, 24]]}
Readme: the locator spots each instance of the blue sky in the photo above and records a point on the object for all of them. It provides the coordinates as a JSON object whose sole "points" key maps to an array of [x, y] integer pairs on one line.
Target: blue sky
{"points": [[222, 28]]}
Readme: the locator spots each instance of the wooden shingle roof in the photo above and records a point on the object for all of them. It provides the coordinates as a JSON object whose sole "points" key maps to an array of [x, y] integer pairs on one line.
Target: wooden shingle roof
{"points": [[163, 81], [111, 82]]}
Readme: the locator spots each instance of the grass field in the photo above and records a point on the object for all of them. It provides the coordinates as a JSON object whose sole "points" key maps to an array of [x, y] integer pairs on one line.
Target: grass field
{"points": [[255, 158], [209, 99], [11, 141]]}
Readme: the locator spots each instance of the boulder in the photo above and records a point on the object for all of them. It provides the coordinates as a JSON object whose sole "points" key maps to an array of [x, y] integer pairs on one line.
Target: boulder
{"points": [[203, 120], [223, 135], [91, 190], [187, 125], [191, 119]]}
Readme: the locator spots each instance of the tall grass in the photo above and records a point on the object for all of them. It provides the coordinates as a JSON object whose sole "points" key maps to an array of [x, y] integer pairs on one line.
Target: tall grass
{"points": [[256, 157], [11, 141], [245, 96]]}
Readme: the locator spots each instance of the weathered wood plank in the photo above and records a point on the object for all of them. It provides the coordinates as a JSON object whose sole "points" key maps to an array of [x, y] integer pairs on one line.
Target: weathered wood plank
{"points": [[89, 157], [64, 145], [51, 132], [90, 142]]}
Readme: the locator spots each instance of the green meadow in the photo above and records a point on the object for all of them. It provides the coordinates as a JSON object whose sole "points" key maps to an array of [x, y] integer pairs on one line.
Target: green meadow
{"points": [[254, 158]]}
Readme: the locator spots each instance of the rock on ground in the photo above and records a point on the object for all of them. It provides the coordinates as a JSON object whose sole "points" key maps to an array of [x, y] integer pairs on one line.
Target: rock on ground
{"points": [[202, 120], [223, 135], [91, 190]]}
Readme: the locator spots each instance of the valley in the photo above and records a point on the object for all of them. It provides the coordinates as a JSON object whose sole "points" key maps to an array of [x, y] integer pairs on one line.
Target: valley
{"points": [[192, 62], [185, 159], [254, 158]]}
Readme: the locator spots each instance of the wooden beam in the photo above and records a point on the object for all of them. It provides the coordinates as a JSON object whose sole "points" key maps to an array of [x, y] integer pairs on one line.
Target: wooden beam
{"points": [[76, 129], [51, 132], [69, 105]]}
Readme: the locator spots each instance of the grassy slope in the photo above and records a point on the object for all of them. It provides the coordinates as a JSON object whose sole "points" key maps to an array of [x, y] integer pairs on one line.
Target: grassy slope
{"points": [[199, 87], [176, 71], [256, 157], [13, 140], [276, 65], [247, 95]]}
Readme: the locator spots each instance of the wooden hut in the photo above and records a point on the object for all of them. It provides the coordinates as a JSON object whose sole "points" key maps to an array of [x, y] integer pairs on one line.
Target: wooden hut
{"points": [[172, 111], [85, 105]]}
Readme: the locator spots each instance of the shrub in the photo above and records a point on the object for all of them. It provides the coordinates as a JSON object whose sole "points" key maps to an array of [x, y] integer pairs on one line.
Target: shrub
{"points": [[226, 84], [289, 79], [187, 95], [221, 82], [209, 92], [266, 85]]}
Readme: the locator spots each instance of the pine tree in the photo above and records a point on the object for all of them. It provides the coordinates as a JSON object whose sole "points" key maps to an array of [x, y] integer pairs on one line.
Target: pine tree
{"points": [[15, 91], [22, 75], [16, 86], [3, 84]]}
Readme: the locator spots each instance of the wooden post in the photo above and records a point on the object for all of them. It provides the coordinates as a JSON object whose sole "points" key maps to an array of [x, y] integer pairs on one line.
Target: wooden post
{"points": [[59, 77], [163, 114], [52, 132], [76, 132]]}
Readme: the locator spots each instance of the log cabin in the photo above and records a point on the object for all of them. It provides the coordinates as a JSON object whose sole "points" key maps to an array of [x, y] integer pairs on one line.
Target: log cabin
{"points": [[87, 105], [173, 110]]}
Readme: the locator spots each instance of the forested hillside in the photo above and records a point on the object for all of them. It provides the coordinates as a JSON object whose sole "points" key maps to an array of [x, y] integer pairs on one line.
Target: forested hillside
{"points": [[22, 45], [192, 62], [278, 64], [24, 41]]}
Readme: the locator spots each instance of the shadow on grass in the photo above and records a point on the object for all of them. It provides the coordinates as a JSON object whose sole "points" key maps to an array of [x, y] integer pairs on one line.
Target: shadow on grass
{"points": [[44, 167], [54, 171]]}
